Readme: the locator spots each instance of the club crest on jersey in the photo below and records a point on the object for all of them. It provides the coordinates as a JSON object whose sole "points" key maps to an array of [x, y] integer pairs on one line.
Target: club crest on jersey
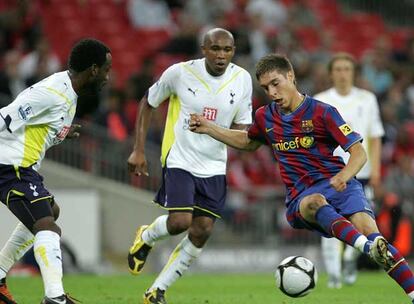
{"points": [[210, 113], [25, 112], [232, 94], [307, 126]]}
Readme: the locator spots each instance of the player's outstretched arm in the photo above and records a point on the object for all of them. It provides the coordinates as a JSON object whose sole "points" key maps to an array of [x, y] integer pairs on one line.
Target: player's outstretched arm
{"points": [[235, 138], [137, 162], [356, 161]]}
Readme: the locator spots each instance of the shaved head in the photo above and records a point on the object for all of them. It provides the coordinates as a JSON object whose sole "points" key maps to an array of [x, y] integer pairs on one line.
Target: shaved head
{"points": [[217, 33]]}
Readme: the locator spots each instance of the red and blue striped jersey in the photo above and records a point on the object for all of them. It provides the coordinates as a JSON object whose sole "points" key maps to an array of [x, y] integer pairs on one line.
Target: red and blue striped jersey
{"points": [[303, 142]]}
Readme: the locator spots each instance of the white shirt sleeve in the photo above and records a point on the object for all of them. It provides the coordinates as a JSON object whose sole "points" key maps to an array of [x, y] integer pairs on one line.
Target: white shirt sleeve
{"points": [[244, 113], [29, 108], [164, 87], [376, 128]]}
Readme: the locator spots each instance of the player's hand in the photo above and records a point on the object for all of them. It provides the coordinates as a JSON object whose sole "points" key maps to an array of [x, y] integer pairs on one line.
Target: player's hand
{"points": [[137, 163], [74, 131], [338, 182], [198, 124]]}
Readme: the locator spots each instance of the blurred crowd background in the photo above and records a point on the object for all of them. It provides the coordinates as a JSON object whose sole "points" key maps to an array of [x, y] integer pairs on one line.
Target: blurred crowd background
{"points": [[146, 36]]}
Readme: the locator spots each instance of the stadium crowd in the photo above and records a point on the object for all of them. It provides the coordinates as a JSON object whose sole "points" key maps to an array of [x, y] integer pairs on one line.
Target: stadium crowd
{"points": [[309, 32]]}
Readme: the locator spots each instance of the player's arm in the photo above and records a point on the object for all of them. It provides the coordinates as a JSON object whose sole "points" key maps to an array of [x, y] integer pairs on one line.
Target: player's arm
{"points": [[234, 138], [2, 124], [236, 126], [136, 161], [357, 159], [375, 146]]}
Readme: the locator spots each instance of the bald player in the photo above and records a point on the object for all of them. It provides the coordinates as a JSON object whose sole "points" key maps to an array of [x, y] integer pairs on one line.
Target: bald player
{"points": [[193, 188]]}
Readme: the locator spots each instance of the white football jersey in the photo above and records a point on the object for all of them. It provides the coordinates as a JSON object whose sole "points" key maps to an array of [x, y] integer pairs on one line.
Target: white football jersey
{"points": [[360, 110], [37, 119], [191, 89]]}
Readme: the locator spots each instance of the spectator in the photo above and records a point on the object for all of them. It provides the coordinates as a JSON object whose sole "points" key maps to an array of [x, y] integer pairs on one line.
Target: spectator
{"points": [[10, 82], [39, 63], [149, 14]]}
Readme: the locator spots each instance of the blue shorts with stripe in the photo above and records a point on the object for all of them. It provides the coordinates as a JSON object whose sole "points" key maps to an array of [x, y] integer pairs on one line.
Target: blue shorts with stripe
{"points": [[23, 192], [182, 191], [346, 203]]}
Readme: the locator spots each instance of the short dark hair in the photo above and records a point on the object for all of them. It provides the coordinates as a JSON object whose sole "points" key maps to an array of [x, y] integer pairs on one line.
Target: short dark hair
{"points": [[273, 62], [341, 56], [87, 52]]}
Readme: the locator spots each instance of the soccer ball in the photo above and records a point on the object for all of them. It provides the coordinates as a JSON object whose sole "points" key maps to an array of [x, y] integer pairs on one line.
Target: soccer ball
{"points": [[296, 276]]}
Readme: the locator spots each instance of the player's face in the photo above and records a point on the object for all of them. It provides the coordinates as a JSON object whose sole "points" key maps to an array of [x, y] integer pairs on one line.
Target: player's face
{"points": [[280, 88], [100, 75], [342, 73], [218, 51]]}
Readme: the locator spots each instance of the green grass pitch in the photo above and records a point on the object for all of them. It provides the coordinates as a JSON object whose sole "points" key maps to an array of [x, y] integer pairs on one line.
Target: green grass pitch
{"points": [[371, 287]]}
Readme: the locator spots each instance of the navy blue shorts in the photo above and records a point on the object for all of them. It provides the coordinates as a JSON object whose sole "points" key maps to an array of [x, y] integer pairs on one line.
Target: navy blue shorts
{"points": [[23, 192], [346, 203], [182, 191]]}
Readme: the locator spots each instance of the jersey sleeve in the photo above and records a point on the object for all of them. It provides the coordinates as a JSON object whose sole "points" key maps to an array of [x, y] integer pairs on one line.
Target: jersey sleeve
{"points": [[339, 129], [29, 108], [376, 128], [256, 130], [244, 113], [164, 87]]}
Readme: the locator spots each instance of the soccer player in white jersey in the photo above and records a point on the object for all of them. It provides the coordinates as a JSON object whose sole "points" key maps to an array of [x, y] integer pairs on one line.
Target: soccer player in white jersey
{"points": [[194, 184], [359, 108], [41, 116]]}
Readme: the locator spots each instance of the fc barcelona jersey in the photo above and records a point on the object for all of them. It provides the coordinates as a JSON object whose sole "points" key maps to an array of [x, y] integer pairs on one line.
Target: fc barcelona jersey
{"points": [[303, 142]]}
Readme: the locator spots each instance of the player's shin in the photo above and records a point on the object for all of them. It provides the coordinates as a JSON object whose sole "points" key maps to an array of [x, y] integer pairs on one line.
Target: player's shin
{"points": [[20, 241], [180, 260], [156, 231], [339, 227], [49, 257], [400, 270]]}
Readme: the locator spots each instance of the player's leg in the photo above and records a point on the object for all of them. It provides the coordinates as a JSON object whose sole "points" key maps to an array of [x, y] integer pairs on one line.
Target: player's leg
{"points": [[32, 204], [187, 251], [20, 241], [315, 209], [385, 254], [332, 258], [210, 197], [178, 186]]}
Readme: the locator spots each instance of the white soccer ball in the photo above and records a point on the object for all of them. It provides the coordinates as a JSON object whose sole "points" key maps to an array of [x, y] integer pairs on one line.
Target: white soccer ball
{"points": [[296, 276]]}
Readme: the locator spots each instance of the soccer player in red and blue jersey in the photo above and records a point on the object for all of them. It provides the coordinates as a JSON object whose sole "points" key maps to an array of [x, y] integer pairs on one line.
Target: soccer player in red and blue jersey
{"points": [[322, 192]]}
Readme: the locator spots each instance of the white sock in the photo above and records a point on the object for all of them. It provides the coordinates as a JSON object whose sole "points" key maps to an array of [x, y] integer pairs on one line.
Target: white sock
{"points": [[331, 252], [156, 231], [49, 257], [361, 242], [20, 241], [180, 260], [411, 295], [350, 254]]}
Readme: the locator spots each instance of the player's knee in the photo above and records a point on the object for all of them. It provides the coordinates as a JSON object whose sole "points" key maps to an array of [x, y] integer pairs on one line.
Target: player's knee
{"points": [[312, 203], [178, 222], [46, 223], [201, 231]]}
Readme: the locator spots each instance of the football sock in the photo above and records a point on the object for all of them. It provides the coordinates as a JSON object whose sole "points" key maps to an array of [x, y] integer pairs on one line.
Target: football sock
{"points": [[180, 260], [350, 253], [156, 231], [20, 241], [49, 258], [400, 272], [339, 227], [331, 252]]}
